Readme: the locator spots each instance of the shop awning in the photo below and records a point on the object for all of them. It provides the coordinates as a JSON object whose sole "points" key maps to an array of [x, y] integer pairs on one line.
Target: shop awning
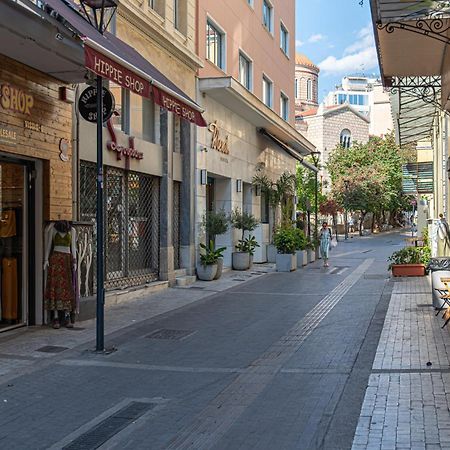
{"points": [[111, 58], [289, 150], [230, 93]]}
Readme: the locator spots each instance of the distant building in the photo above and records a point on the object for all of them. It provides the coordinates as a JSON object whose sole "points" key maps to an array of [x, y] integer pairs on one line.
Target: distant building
{"points": [[367, 96], [330, 126], [306, 83]]}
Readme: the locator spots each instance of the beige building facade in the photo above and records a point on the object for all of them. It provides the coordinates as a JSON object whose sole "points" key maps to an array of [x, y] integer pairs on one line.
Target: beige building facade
{"points": [[247, 90]]}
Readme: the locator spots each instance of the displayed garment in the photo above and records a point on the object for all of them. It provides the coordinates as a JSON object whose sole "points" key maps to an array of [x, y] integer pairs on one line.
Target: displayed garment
{"points": [[10, 290], [8, 226]]}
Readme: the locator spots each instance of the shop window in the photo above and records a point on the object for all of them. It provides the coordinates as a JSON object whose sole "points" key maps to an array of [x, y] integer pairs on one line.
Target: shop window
{"points": [[267, 92], [180, 15], [284, 106], [284, 39], [159, 6], [117, 118], [215, 45], [141, 117], [268, 16], [245, 71]]}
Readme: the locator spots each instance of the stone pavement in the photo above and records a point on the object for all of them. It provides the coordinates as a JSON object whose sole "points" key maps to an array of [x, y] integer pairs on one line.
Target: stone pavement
{"points": [[407, 401], [20, 348]]}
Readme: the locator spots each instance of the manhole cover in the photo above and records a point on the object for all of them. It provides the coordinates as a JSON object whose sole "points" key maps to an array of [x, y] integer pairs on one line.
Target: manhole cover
{"points": [[173, 335], [52, 349], [375, 276], [105, 430]]}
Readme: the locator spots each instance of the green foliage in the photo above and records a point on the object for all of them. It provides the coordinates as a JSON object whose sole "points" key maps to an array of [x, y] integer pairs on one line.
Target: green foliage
{"points": [[410, 255], [215, 223], [242, 220], [247, 245], [286, 240], [301, 239], [210, 255], [306, 188]]}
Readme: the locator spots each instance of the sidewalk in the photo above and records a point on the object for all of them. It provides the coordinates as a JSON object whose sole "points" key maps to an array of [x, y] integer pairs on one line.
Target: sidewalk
{"points": [[23, 349], [407, 401]]}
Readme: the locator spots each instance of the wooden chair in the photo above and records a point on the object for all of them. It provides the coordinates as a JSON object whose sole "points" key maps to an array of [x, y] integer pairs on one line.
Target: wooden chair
{"points": [[445, 297]]}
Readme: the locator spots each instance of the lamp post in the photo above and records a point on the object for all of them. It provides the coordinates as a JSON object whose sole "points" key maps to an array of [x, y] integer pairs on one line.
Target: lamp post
{"points": [[346, 184], [315, 157], [99, 14]]}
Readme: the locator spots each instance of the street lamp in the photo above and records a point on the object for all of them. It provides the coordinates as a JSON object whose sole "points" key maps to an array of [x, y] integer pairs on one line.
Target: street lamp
{"points": [[346, 184], [99, 13]]}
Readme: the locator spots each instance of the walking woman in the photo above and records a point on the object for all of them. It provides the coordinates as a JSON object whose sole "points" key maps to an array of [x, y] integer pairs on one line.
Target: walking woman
{"points": [[325, 240]]}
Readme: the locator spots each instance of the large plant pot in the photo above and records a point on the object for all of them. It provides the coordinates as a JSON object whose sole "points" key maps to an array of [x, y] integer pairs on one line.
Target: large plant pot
{"points": [[408, 270], [219, 268], [271, 253], [250, 265], [311, 255], [286, 262], [206, 273], [240, 260], [318, 255], [302, 258]]}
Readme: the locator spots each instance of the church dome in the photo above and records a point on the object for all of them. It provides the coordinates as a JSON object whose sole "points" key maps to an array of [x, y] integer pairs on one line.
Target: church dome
{"points": [[303, 60]]}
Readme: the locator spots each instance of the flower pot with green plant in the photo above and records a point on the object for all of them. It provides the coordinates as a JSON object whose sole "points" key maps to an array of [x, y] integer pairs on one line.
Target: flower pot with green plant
{"points": [[246, 222], [286, 242], [215, 224], [409, 261], [301, 243], [207, 270]]}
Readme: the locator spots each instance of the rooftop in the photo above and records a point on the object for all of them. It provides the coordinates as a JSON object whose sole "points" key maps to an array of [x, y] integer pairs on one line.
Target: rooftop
{"points": [[302, 60]]}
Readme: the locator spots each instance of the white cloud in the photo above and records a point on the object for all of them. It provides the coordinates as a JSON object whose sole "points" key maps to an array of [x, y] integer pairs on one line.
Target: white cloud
{"points": [[361, 55], [316, 38], [299, 43]]}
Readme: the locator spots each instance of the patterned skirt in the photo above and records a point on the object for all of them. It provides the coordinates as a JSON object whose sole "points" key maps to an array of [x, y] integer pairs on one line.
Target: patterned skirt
{"points": [[59, 291]]}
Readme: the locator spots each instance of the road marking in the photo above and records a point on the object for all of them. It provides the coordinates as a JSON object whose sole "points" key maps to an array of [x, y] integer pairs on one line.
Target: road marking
{"points": [[211, 424]]}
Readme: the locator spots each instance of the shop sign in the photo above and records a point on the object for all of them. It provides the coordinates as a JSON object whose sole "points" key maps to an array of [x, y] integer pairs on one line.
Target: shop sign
{"points": [[129, 152], [217, 143], [8, 136], [87, 104], [15, 99]]}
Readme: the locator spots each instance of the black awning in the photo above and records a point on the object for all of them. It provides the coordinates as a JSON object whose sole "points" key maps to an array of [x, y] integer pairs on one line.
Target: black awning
{"points": [[289, 150]]}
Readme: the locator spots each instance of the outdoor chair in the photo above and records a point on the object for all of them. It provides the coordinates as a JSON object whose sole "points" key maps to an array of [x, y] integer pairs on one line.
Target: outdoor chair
{"points": [[444, 295]]}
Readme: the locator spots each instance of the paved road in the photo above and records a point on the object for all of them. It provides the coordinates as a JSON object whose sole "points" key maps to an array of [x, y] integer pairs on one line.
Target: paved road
{"points": [[280, 362]]}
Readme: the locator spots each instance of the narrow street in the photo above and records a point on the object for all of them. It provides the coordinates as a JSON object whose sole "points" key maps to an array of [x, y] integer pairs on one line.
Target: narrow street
{"points": [[279, 362]]}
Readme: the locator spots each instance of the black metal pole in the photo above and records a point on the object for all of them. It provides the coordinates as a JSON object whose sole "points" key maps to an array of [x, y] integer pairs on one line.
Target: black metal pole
{"points": [[316, 195], [100, 337], [346, 224]]}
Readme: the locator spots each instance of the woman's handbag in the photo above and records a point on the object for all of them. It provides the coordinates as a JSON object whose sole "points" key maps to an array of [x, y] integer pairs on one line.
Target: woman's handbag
{"points": [[333, 243]]}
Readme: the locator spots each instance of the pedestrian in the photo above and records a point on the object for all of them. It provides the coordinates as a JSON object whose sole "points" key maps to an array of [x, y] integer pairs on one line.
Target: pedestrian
{"points": [[351, 225], [325, 237]]}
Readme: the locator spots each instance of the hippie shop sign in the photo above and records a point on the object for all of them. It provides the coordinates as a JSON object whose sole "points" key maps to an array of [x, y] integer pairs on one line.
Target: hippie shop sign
{"points": [[107, 68], [129, 152]]}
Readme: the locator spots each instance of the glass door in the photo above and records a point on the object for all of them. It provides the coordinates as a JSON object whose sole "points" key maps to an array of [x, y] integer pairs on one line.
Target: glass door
{"points": [[12, 244]]}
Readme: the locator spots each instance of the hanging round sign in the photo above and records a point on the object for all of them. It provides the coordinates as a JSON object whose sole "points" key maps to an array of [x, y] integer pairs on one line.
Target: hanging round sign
{"points": [[87, 104]]}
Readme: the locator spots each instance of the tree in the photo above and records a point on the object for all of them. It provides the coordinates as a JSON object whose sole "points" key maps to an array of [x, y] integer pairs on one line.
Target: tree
{"points": [[306, 188], [331, 208]]}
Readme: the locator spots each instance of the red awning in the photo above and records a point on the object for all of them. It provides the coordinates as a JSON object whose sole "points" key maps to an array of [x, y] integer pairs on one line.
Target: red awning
{"points": [[111, 58]]}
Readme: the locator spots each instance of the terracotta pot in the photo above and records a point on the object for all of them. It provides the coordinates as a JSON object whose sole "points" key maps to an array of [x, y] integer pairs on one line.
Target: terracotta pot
{"points": [[408, 270]]}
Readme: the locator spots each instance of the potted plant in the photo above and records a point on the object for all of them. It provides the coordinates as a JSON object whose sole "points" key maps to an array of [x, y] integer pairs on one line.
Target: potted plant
{"points": [[248, 245], [301, 243], [246, 222], [311, 251], [215, 223], [286, 241], [207, 270], [409, 261]]}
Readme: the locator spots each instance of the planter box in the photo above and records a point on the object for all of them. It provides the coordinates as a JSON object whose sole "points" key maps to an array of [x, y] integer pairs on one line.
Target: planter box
{"points": [[302, 258], [408, 270], [286, 262], [311, 256], [271, 253], [219, 268], [318, 255], [240, 260], [206, 273]]}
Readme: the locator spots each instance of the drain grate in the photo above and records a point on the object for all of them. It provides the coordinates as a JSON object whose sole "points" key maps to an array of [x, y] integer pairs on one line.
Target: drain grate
{"points": [[375, 276], [173, 335], [52, 349], [106, 429], [197, 287], [367, 251], [424, 305], [238, 279]]}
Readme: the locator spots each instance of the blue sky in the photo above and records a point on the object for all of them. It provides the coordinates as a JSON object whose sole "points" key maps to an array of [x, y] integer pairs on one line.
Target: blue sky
{"points": [[337, 35]]}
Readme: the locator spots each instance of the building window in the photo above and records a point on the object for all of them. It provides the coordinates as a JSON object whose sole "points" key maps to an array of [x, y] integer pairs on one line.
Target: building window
{"points": [[346, 138], [267, 92], [215, 42], [284, 39], [267, 15], [264, 208], [141, 113], [250, 3], [158, 6], [180, 15], [296, 89], [341, 99], [117, 118], [245, 71], [284, 107], [309, 90]]}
